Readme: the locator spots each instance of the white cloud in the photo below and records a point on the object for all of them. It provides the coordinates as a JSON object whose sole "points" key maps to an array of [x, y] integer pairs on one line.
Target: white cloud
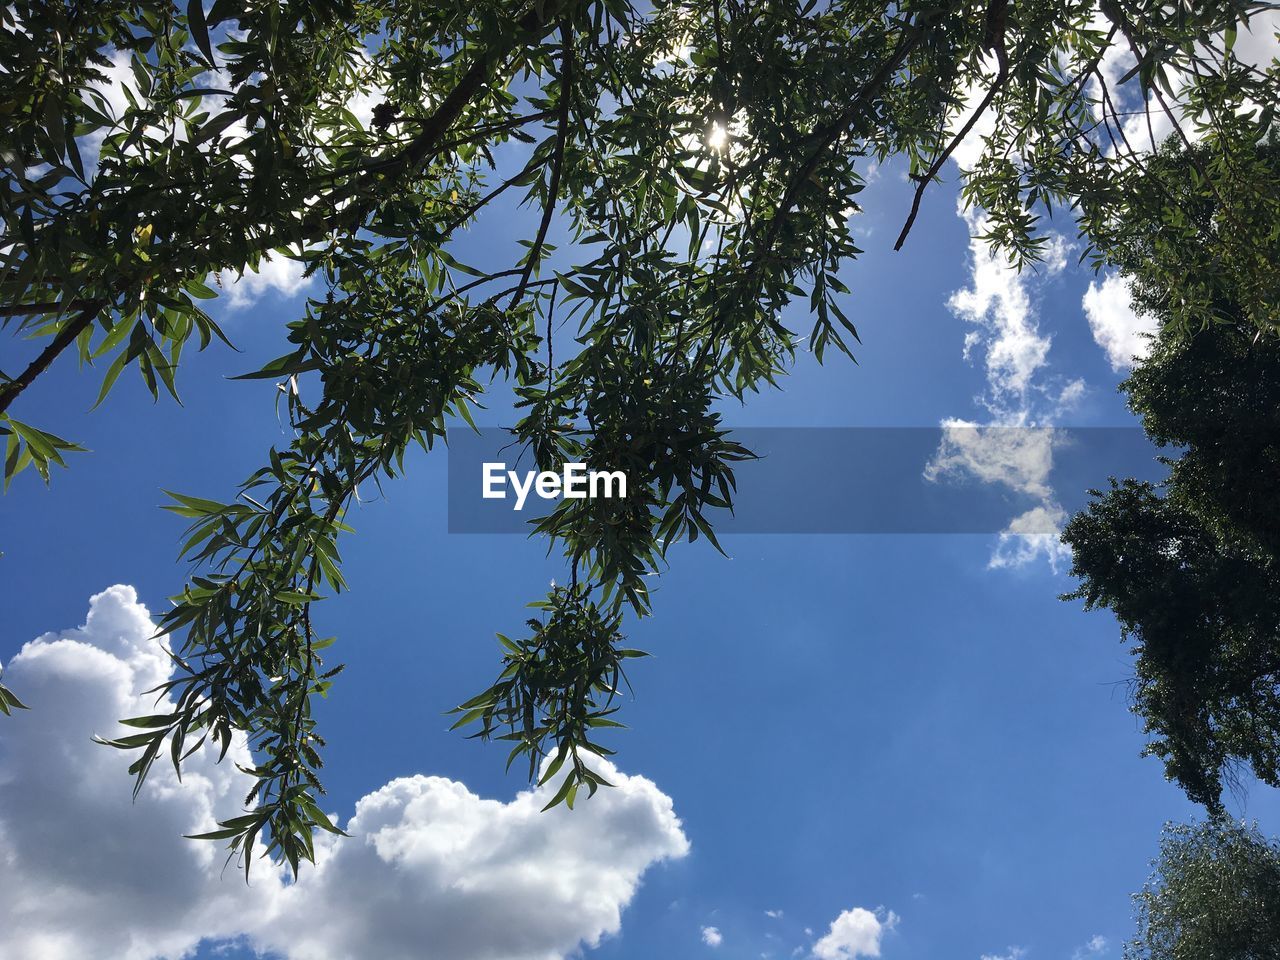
{"points": [[1096, 946], [1013, 953], [1019, 458], [712, 937], [970, 150], [1015, 448], [1071, 395], [111, 89], [1149, 123], [773, 914], [428, 861], [102, 876], [998, 305], [1258, 44], [117, 93], [1121, 332], [855, 933], [1031, 535], [1016, 456], [275, 273], [1055, 253]]}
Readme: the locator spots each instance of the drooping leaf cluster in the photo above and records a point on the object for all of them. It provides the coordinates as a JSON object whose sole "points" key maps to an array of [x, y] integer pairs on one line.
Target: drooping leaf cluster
{"points": [[558, 686], [688, 171]]}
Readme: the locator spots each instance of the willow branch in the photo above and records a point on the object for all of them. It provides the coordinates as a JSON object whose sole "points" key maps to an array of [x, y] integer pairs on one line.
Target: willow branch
{"points": [[557, 164], [928, 176], [66, 336]]}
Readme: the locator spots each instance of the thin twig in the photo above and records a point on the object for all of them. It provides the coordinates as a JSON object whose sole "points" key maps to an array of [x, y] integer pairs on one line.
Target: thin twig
{"points": [[557, 164], [997, 11]]}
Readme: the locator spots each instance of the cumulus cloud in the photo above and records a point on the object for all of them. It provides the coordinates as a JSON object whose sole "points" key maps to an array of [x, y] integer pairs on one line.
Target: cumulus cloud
{"points": [[102, 876], [712, 937], [429, 866], [1121, 332], [855, 933], [274, 274], [429, 862], [1012, 953]]}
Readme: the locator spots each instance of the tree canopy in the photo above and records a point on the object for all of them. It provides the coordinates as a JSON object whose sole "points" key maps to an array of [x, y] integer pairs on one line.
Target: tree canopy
{"points": [[1191, 566], [696, 164], [1215, 895]]}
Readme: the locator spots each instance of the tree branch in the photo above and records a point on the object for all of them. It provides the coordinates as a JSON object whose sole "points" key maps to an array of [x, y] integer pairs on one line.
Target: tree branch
{"points": [[66, 336], [428, 142], [993, 40], [923, 182], [557, 163], [907, 42]]}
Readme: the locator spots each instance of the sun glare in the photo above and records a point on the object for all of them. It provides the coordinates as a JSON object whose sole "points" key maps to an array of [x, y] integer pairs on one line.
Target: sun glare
{"points": [[717, 137]]}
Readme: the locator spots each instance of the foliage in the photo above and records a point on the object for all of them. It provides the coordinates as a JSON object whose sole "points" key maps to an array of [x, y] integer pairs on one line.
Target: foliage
{"points": [[1191, 567], [1201, 616], [689, 170], [1195, 255], [550, 689], [1215, 895], [28, 446], [8, 701]]}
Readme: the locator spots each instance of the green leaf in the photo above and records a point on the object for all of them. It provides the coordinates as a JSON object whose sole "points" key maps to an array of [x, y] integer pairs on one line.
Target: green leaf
{"points": [[200, 29], [9, 701]]}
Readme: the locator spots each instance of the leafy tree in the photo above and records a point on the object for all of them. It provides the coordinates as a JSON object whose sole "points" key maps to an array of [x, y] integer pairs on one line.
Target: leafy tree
{"points": [[1198, 236], [1191, 567], [1215, 895], [689, 169]]}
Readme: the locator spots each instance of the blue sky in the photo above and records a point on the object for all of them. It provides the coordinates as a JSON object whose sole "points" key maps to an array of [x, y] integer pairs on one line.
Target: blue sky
{"points": [[909, 732]]}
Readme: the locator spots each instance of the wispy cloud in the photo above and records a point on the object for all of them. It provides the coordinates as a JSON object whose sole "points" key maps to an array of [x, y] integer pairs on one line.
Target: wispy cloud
{"points": [[1012, 953], [1013, 446], [1096, 947], [998, 305]]}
